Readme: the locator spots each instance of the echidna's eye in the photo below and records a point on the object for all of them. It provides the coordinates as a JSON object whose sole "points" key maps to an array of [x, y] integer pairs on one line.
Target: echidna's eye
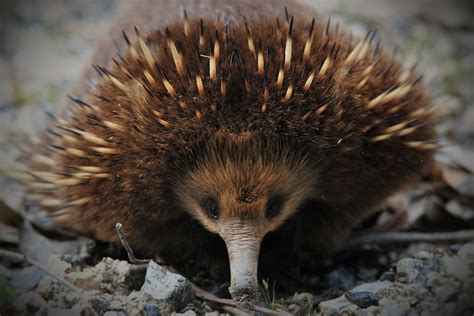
{"points": [[274, 205], [211, 207]]}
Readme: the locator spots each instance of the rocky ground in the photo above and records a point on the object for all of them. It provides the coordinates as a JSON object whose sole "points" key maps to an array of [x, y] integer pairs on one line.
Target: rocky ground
{"points": [[43, 48]]}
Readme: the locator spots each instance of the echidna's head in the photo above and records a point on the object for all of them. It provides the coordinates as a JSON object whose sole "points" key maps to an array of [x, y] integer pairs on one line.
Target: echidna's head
{"points": [[241, 188]]}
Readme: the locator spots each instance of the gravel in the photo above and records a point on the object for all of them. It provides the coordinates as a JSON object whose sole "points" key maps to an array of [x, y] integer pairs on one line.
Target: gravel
{"points": [[436, 282]]}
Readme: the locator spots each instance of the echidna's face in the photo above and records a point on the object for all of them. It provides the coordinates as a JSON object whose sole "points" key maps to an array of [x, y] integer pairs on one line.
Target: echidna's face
{"points": [[243, 197]]}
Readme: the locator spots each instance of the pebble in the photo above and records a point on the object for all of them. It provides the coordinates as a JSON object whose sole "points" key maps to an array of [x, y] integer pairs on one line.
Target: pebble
{"points": [[373, 287], [387, 276], [394, 308], [58, 265], [456, 266], [27, 278], [164, 285], [362, 299], [408, 270], [45, 286], [467, 250], [337, 306], [151, 310], [29, 300], [304, 297], [422, 254]]}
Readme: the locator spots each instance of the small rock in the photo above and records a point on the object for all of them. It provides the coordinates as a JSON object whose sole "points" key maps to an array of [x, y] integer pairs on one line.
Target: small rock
{"points": [[408, 270], [387, 276], [371, 311], [212, 314], [292, 307], [338, 306], [164, 285], [362, 299], [459, 210], [71, 298], [27, 278], [373, 287], [304, 297], [152, 310], [393, 308], [455, 247], [467, 250], [423, 254], [115, 304], [83, 308], [86, 279], [58, 265], [341, 277], [29, 301], [119, 275], [45, 287], [457, 266]]}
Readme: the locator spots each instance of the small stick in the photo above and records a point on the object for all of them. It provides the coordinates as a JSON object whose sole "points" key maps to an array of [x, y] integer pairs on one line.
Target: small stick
{"points": [[202, 294], [123, 240], [20, 257], [409, 237]]}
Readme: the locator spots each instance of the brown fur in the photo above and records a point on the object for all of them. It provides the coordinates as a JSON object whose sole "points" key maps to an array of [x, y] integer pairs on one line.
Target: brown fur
{"points": [[168, 148]]}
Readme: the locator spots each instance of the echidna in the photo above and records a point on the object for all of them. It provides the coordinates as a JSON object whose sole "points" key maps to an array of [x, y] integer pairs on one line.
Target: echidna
{"points": [[228, 123]]}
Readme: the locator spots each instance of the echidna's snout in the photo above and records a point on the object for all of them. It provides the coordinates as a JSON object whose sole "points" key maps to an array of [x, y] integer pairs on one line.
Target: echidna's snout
{"points": [[243, 246]]}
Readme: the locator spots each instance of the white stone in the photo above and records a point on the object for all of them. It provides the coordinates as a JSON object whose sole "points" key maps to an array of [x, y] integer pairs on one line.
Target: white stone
{"points": [[457, 266], [467, 250], [161, 284]]}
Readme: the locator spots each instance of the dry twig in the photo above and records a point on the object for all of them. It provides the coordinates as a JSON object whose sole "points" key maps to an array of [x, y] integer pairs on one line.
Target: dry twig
{"points": [[9, 255], [202, 294], [123, 240], [14, 256], [409, 237]]}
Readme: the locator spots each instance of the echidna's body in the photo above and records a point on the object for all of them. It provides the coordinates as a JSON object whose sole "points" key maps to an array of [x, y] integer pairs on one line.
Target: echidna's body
{"points": [[221, 126]]}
